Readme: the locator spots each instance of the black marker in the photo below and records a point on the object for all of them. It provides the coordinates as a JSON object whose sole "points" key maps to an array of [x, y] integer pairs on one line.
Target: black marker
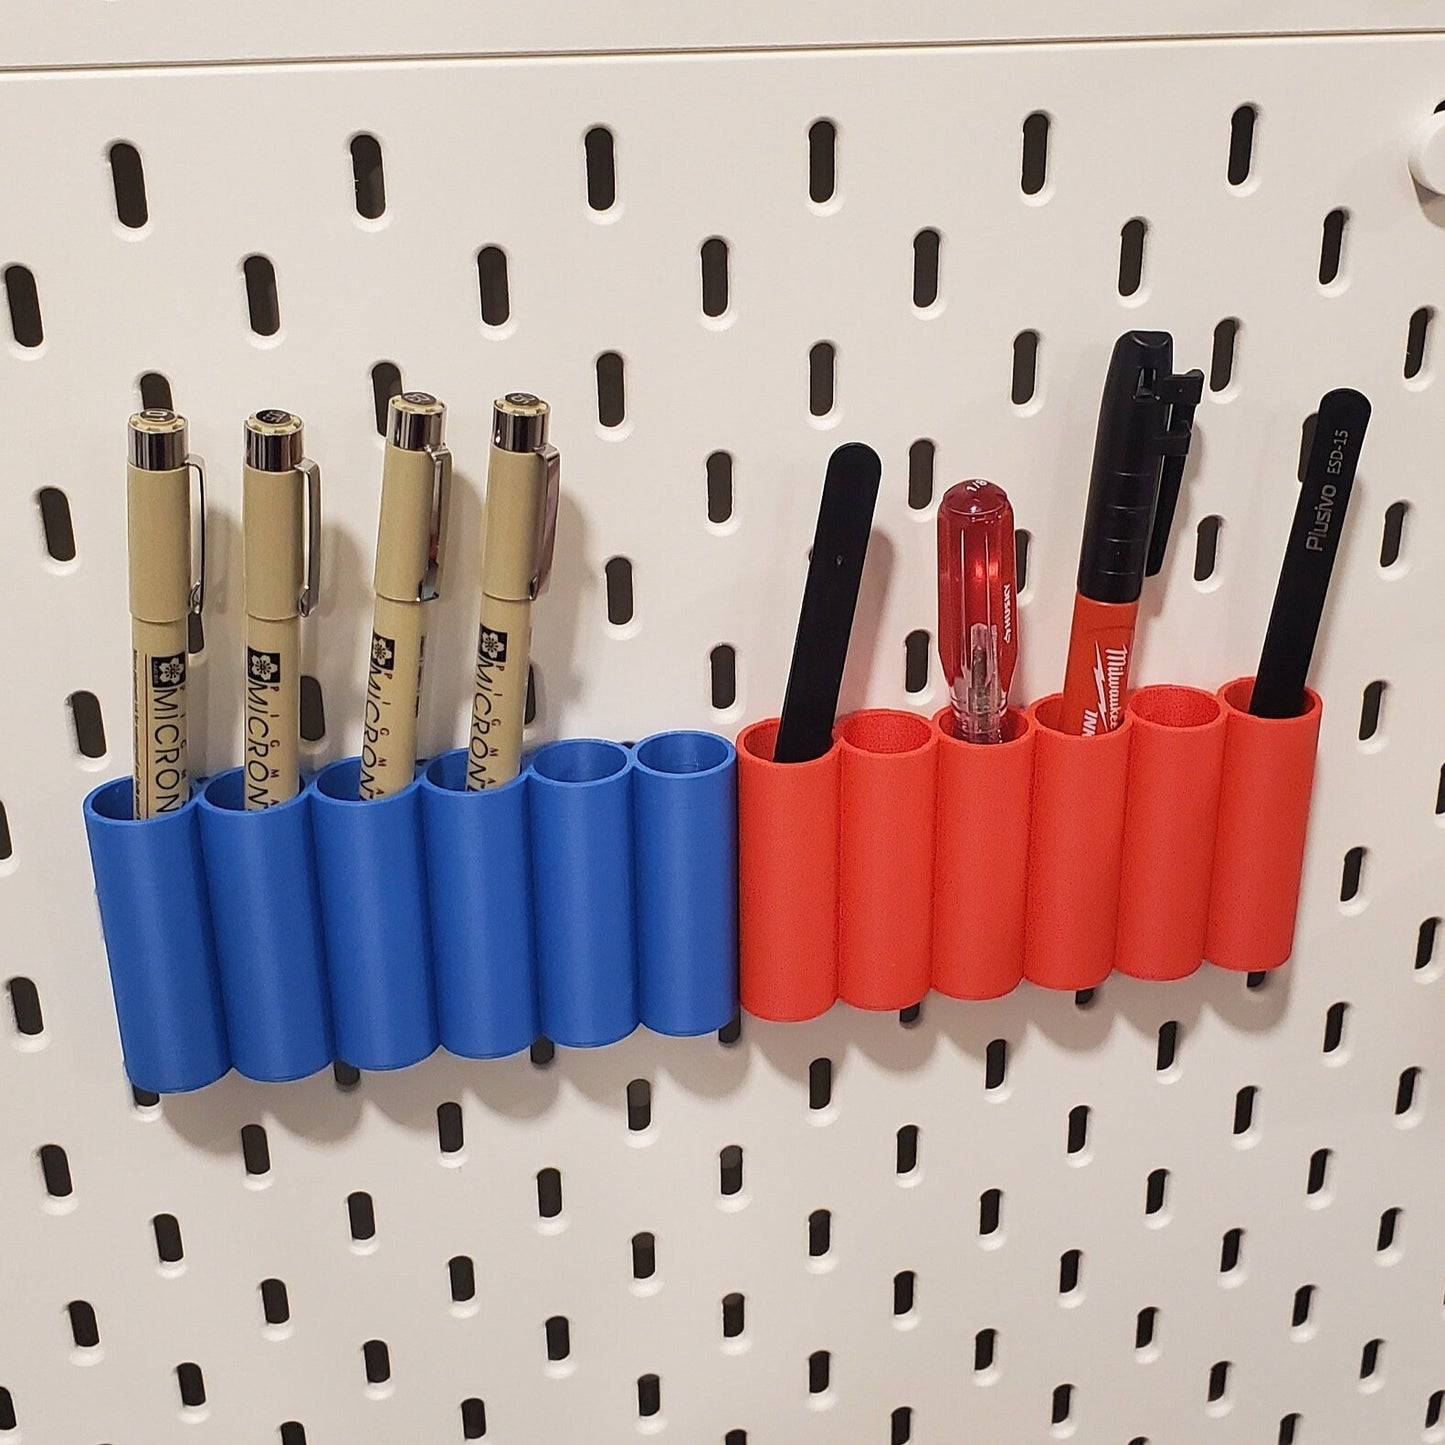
{"points": [[1309, 557], [830, 598]]}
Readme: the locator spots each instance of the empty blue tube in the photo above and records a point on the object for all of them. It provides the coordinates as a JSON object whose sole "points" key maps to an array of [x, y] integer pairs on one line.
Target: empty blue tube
{"points": [[580, 802], [480, 881], [266, 916], [684, 795], [372, 874], [151, 885]]}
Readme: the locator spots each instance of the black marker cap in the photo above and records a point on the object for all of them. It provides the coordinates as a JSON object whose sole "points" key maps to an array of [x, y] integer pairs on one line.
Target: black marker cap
{"points": [[1145, 417]]}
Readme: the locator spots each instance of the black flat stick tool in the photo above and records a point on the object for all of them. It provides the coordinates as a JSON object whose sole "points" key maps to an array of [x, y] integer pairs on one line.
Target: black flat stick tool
{"points": [[1309, 556], [830, 598]]}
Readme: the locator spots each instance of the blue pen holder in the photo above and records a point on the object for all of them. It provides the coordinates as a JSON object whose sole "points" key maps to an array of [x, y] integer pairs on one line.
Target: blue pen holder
{"points": [[580, 803], [684, 794], [478, 854], [372, 872], [151, 886], [266, 916]]}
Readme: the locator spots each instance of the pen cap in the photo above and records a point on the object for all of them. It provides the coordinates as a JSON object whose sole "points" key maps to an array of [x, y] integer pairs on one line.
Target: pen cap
{"points": [[408, 533], [977, 614], [888, 767], [514, 519], [1264, 810], [787, 879], [150, 884], [158, 516], [1076, 840], [980, 871], [1132, 440], [1169, 828], [273, 515]]}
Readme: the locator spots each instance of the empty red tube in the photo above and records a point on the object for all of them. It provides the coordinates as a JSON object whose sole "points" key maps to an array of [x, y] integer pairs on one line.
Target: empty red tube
{"points": [[888, 764], [1264, 810], [1169, 825], [787, 879], [981, 844], [1076, 844]]}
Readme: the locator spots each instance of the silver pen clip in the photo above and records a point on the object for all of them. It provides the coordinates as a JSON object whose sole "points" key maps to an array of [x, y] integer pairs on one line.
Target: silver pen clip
{"points": [[311, 589], [441, 493], [552, 460], [197, 597]]}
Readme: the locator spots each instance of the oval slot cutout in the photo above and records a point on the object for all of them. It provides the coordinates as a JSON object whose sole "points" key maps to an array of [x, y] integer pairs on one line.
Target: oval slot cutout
{"points": [[23, 302], [601, 168], [493, 287], [263, 303], [369, 176], [1034, 171], [128, 180], [714, 259], [822, 161]]}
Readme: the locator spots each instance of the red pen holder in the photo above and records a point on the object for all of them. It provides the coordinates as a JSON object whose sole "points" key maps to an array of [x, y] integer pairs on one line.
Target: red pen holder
{"points": [[1175, 761], [788, 815], [1076, 841], [888, 763], [981, 846], [1264, 807]]}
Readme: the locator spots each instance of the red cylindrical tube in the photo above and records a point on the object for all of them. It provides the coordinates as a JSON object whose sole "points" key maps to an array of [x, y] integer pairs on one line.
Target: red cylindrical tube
{"points": [[787, 879], [1101, 648], [885, 858], [1264, 810], [1169, 825], [1076, 842], [981, 843]]}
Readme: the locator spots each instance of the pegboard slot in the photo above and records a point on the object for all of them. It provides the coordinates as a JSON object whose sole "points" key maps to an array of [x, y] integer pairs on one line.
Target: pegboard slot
{"points": [[822, 378], [820, 1233], [155, 391], [55, 1171], [1303, 1308], [23, 302], [1417, 344], [368, 176], [263, 304], [822, 161], [87, 724], [7, 1410], [25, 1007], [462, 1279], [1221, 357], [719, 472], [385, 384], [601, 159], [1131, 256], [376, 1360], [128, 182], [1332, 246], [493, 286], [900, 1426], [611, 391], [1034, 166], [474, 1419], [1241, 144], [1387, 1236], [361, 1214], [56, 523], [1392, 538], [906, 1152], [169, 1247], [275, 1302], [920, 474], [734, 1316], [191, 1385], [84, 1329], [985, 1351], [451, 1132], [1023, 380], [927, 255], [644, 1255], [1146, 1327], [713, 258]]}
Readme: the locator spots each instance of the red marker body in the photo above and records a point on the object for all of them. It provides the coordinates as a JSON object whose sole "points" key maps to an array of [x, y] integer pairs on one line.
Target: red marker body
{"points": [[1096, 680]]}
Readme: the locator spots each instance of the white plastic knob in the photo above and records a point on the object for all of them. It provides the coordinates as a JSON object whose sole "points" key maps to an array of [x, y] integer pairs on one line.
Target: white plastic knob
{"points": [[1427, 154]]}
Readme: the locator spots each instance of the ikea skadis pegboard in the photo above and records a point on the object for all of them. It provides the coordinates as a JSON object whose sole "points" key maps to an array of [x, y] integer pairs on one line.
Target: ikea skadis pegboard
{"points": [[1208, 1211]]}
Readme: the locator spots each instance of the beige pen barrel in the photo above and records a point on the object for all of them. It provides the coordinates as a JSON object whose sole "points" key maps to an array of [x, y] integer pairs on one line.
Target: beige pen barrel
{"points": [[158, 534], [520, 497], [274, 521], [410, 537]]}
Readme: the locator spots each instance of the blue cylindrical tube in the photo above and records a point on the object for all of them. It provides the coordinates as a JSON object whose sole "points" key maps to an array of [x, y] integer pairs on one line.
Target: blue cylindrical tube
{"points": [[684, 804], [374, 911], [480, 880], [266, 913], [580, 801], [150, 882]]}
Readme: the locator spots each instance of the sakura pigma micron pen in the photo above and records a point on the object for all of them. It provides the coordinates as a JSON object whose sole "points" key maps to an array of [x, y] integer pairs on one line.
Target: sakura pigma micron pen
{"points": [[281, 519], [162, 597], [519, 527], [410, 541]]}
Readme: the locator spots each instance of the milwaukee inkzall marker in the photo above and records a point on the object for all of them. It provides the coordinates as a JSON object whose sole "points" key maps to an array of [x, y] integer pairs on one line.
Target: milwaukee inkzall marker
{"points": [[1145, 422]]}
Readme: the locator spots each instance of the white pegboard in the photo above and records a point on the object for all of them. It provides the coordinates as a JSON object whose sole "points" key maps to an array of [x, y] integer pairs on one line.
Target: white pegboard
{"points": [[128, 32], [241, 161]]}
